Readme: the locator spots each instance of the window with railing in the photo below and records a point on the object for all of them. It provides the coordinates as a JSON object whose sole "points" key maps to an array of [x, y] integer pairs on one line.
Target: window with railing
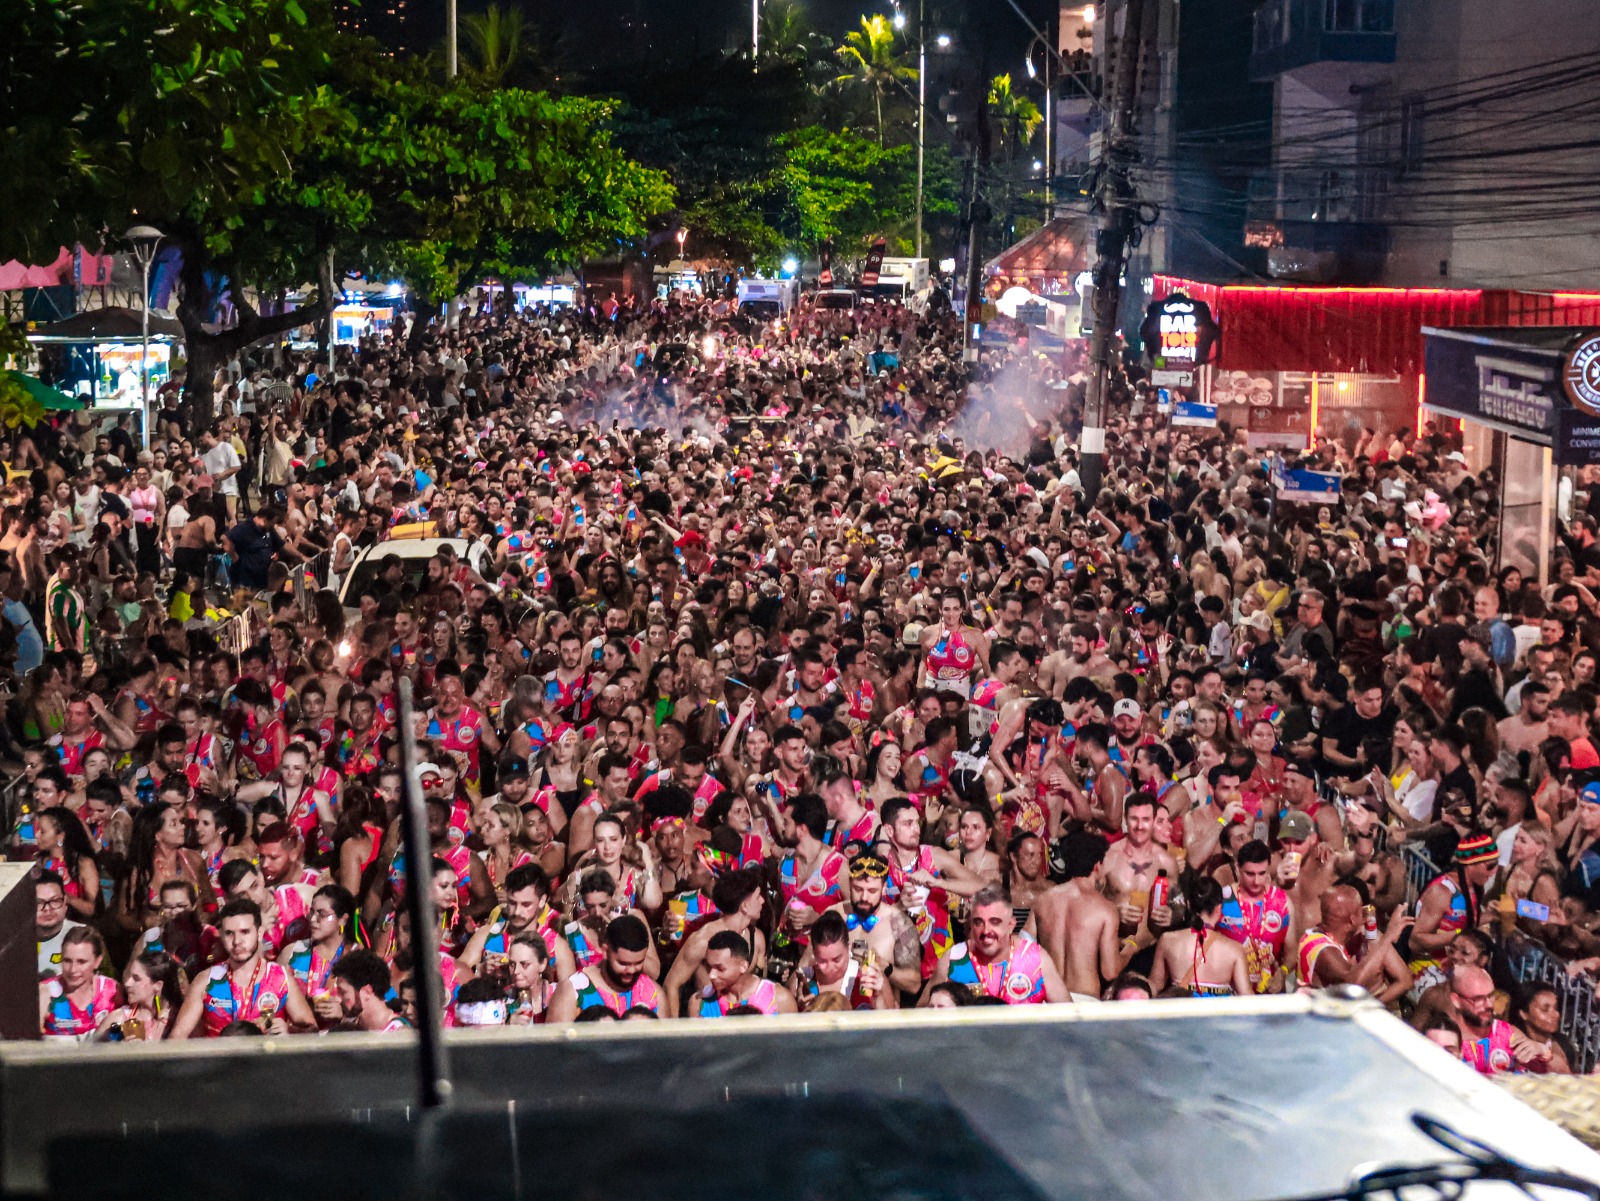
{"points": [[1358, 16], [1279, 22]]}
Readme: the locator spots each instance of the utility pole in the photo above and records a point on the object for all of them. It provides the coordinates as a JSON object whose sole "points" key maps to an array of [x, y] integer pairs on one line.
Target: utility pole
{"points": [[1050, 52], [978, 213], [451, 64], [922, 108], [1118, 217]]}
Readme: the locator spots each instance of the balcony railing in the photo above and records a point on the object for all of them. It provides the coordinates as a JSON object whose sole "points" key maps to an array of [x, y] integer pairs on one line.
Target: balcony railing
{"points": [[1320, 195], [1295, 33]]}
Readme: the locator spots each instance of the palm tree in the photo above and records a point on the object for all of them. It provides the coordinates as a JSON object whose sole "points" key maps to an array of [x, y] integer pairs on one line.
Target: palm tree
{"points": [[496, 43], [1015, 116], [784, 30], [870, 58]]}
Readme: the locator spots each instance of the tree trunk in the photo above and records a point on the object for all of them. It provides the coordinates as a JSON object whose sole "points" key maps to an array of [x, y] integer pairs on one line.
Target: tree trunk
{"points": [[326, 286], [206, 350], [424, 311]]}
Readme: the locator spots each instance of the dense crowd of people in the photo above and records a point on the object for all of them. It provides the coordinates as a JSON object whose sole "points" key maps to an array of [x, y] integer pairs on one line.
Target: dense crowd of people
{"points": [[770, 667]]}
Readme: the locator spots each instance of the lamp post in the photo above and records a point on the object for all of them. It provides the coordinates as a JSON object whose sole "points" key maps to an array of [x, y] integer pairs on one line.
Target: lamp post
{"points": [[451, 63], [1049, 120], [145, 239], [922, 109]]}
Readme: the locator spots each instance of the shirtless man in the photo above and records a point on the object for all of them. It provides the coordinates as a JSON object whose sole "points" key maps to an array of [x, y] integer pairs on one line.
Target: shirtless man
{"points": [[876, 925], [1027, 879], [1080, 658], [1075, 923], [1100, 800], [738, 899], [1525, 729], [1132, 865]]}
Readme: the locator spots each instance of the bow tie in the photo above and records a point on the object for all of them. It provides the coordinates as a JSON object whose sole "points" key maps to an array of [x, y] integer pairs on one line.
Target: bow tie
{"points": [[852, 922]]}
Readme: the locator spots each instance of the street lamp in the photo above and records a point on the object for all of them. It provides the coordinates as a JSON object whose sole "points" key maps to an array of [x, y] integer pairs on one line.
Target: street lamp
{"points": [[922, 106], [451, 61], [1041, 39], [943, 42], [683, 236], [145, 239]]}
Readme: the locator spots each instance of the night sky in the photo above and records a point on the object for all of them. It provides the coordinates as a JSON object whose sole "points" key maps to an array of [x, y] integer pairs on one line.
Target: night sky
{"points": [[590, 36]]}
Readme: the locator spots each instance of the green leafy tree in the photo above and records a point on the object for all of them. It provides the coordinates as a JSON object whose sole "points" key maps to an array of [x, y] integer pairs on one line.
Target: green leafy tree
{"points": [[833, 181], [871, 61], [273, 151], [1013, 116]]}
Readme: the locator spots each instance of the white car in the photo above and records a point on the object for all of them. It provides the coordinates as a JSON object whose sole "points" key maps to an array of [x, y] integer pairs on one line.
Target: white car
{"points": [[413, 554]]}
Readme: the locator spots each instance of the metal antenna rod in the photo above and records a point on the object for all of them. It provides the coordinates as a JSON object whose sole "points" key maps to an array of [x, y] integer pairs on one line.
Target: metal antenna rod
{"points": [[433, 1067]]}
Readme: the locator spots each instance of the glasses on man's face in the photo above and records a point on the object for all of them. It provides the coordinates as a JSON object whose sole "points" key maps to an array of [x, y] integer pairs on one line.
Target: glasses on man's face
{"points": [[51, 902]]}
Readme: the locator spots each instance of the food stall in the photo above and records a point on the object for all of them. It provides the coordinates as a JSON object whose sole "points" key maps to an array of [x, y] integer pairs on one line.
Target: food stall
{"points": [[97, 353]]}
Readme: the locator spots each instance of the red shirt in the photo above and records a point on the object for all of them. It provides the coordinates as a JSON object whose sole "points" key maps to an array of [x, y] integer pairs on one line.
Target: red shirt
{"points": [[461, 734]]}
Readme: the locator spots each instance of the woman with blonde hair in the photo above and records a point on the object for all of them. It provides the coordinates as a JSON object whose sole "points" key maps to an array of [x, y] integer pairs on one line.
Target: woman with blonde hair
{"points": [[1535, 872], [500, 826]]}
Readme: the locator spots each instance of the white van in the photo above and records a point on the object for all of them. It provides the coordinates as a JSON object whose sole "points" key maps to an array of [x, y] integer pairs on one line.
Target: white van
{"points": [[768, 299]]}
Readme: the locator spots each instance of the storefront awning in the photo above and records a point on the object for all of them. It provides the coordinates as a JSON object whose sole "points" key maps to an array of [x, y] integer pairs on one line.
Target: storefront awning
{"points": [[1373, 331], [110, 324], [1540, 385], [1059, 248]]}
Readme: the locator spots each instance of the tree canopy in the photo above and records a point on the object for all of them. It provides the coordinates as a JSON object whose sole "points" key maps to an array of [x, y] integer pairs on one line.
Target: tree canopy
{"points": [[273, 151]]}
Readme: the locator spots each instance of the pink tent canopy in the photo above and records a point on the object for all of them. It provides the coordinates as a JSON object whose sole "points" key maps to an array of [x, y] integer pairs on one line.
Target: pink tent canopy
{"points": [[96, 271]]}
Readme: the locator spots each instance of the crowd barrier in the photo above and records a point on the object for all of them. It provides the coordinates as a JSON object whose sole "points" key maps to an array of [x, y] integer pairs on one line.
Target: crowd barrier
{"points": [[1527, 961], [1524, 960]]}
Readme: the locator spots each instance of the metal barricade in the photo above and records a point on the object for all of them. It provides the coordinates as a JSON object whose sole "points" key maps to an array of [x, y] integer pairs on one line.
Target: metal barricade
{"points": [[1526, 961], [1420, 870], [11, 804], [236, 633]]}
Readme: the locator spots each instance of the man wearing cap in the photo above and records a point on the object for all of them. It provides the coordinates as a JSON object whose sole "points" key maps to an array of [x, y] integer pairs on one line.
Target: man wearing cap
{"points": [[1127, 721], [1299, 796], [1453, 901], [1585, 873]]}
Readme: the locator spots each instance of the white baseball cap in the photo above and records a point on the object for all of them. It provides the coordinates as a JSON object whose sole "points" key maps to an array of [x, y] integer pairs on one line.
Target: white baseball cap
{"points": [[1127, 707]]}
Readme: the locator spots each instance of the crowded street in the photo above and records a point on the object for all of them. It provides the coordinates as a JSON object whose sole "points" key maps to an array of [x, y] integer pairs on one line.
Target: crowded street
{"points": [[549, 515], [776, 667]]}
